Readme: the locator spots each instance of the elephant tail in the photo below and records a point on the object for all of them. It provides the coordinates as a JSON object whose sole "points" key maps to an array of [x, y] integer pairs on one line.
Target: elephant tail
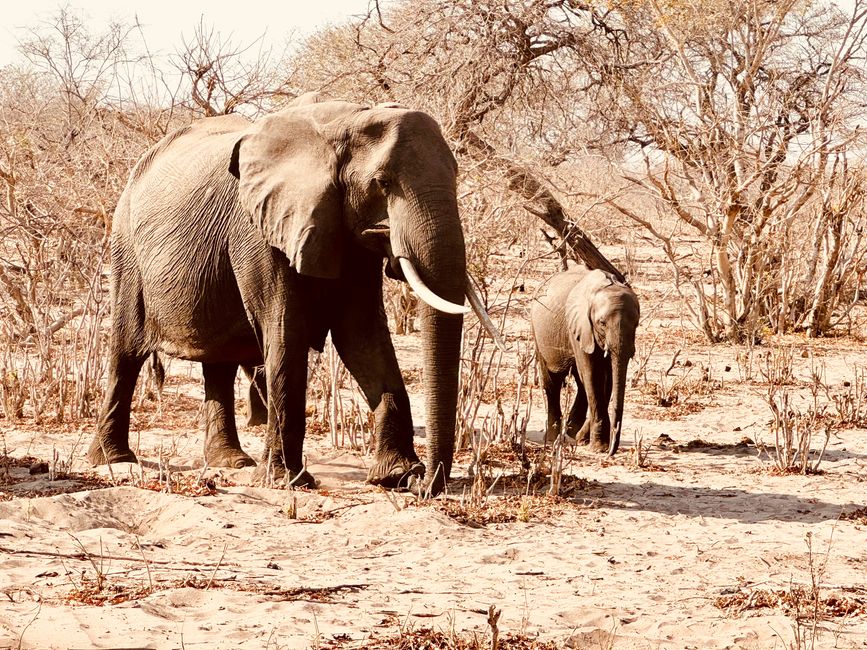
{"points": [[158, 370]]}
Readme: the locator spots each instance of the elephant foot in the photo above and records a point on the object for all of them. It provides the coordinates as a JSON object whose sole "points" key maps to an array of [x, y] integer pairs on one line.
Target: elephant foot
{"points": [[552, 432], [427, 487], [302, 479], [277, 475], [599, 446], [582, 436], [228, 457], [393, 471], [101, 453], [255, 419]]}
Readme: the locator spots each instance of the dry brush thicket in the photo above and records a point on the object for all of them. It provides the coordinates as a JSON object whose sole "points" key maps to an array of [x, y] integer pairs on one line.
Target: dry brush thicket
{"points": [[725, 134]]}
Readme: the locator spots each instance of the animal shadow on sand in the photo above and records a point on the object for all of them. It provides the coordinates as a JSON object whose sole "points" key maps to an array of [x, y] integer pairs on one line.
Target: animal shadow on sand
{"points": [[724, 503], [743, 448]]}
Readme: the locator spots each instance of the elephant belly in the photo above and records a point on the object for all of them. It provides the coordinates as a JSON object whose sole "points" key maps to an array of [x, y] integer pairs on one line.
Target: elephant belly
{"points": [[559, 359], [193, 308]]}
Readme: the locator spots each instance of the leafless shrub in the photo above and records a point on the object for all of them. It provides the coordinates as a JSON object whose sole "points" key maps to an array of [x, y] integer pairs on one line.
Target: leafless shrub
{"points": [[335, 402], [671, 390], [793, 430], [776, 365], [850, 403], [401, 305], [64, 158], [227, 77], [644, 350], [638, 455], [481, 384]]}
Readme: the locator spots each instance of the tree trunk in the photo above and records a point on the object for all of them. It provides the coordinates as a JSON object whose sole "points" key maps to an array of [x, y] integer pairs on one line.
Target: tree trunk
{"points": [[543, 204]]}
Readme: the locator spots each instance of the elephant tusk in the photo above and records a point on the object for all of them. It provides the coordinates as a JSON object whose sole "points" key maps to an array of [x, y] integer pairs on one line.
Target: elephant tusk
{"points": [[478, 306], [425, 293]]}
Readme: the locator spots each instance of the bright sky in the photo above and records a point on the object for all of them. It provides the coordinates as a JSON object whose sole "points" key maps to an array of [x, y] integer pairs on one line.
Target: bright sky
{"points": [[166, 21]]}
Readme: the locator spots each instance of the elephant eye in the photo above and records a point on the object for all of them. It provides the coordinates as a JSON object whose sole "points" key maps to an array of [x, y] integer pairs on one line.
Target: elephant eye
{"points": [[382, 183]]}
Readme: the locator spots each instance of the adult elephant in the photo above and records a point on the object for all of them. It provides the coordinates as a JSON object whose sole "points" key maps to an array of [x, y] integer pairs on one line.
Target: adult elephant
{"points": [[238, 243], [584, 323]]}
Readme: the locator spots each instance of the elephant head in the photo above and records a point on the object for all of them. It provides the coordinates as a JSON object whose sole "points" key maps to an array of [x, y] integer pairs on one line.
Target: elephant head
{"points": [[604, 315], [318, 172]]}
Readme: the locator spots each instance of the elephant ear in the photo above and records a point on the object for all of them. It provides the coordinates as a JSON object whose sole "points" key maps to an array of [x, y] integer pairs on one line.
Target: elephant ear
{"points": [[579, 308], [287, 183]]}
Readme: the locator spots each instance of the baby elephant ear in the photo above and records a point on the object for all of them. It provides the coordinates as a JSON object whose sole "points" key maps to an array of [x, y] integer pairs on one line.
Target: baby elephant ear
{"points": [[287, 175], [579, 308]]}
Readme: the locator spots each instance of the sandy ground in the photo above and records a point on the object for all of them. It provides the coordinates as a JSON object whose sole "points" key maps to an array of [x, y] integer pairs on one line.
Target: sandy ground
{"points": [[703, 546]]}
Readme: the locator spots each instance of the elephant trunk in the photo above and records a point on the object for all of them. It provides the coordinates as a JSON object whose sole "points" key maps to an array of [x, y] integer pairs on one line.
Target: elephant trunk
{"points": [[429, 233], [619, 362]]}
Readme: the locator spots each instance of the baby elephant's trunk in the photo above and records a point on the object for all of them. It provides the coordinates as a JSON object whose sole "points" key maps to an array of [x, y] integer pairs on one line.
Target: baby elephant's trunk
{"points": [[618, 390]]}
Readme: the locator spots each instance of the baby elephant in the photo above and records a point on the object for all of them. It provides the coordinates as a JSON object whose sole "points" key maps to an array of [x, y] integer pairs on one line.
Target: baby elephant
{"points": [[584, 323]]}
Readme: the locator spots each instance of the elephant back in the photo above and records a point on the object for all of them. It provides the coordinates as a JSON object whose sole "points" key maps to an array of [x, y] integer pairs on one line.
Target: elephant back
{"points": [[548, 316], [209, 126]]}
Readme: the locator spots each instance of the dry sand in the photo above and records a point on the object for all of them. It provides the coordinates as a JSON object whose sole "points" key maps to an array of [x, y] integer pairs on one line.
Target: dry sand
{"points": [[630, 557]]}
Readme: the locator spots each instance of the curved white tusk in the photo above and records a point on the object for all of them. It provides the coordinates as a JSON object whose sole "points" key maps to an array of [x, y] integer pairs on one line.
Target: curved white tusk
{"points": [[425, 293], [478, 306]]}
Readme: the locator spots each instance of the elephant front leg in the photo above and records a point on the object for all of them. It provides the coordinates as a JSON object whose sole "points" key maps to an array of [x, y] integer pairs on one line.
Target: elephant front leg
{"points": [[111, 442], [593, 375], [222, 446], [286, 379], [395, 461], [365, 347]]}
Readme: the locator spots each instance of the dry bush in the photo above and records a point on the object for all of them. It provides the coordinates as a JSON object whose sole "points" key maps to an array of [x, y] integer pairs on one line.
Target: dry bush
{"points": [[484, 381], [66, 145], [412, 638], [850, 403], [753, 160], [401, 306], [335, 404], [793, 432], [809, 605]]}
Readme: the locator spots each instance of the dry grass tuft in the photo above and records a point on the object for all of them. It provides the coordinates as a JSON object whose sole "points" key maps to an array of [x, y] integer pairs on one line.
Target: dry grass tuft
{"points": [[26, 469], [103, 593], [504, 509], [425, 638], [858, 516], [797, 602]]}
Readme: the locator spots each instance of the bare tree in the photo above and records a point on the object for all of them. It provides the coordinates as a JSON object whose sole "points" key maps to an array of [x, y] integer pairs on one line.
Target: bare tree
{"points": [[226, 77], [744, 116], [69, 133], [484, 70]]}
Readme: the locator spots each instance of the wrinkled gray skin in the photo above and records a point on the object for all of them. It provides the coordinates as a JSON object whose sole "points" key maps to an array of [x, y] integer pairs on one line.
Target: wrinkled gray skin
{"points": [[257, 407], [244, 244], [579, 317]]}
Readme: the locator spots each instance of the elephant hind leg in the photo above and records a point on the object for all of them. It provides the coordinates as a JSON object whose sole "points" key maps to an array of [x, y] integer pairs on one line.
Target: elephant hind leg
{"points": [[222, 446], [127, 354], [552, 384], [576, 424], [111, 442], [257, 398]]}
